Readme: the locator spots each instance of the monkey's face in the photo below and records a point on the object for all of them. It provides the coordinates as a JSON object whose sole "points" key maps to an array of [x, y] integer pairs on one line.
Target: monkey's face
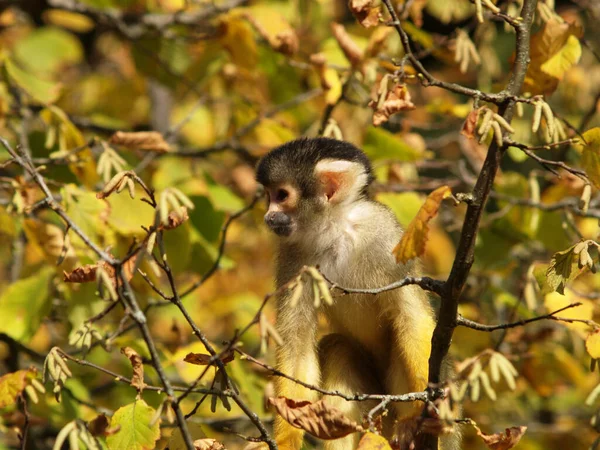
{"points": [[282, 210]]}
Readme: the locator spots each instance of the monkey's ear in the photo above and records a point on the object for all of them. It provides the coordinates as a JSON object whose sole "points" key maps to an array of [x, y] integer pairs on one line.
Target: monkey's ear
{"points": [[340, 179]]}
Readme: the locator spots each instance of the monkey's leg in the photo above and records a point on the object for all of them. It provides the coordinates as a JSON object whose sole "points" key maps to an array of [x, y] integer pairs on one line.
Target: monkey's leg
{"points": [[346, 367], [297, 357], [408, 370]]}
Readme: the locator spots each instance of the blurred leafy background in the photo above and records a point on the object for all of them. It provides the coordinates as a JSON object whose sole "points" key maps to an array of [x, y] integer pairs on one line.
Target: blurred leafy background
{"points": [[224, 82]]}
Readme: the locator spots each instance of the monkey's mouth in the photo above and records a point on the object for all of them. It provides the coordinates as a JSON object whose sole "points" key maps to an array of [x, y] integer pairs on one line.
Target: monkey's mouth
{"points": [[282, 231]]}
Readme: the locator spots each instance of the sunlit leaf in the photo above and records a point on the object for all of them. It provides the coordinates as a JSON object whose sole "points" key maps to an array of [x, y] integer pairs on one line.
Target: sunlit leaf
{"points": [[239, 41], [12, 384], [41, 91], [590, 156], [562, 61], [135, 432], [562, 269], [554, 49], [412, 243], [555, 301], [69, 137], [592, 344], [69, 20], [372, 441], [381, 144], [48, 49]]}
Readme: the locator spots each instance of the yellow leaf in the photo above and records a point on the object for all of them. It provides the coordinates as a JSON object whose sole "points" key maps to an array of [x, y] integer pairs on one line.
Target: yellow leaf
{"points": [[590, 156], [412, 243], [334, 86], [40, 90], [372, 441], [12, 384], [50, 241], [554, 49], [592, 344], [239, 41], [554, 301], [69, 20], [82, 164], [562, 61]]}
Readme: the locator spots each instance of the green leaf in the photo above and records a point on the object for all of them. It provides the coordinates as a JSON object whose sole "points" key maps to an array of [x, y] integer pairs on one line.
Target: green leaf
{"points": [[88, 212], [404, 205], [222, 198], [127, 215], [561, 270], [135, 432], [47, 50], [590, 156], [206, 219], [41, 91], [381, 144], [25, 302], [204, 254], [174, 57], [178, 247]]}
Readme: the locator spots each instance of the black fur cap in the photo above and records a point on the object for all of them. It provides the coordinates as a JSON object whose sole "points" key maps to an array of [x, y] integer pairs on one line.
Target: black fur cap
{"points": [[295, 162]]}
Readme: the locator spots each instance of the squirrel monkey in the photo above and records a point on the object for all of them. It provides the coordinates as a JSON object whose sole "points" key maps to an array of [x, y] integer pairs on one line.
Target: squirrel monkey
{"points": [[318, 208]]}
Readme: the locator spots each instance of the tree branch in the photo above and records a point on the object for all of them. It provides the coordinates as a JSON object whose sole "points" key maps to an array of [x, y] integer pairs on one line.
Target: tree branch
{"points": [[461, 321]]}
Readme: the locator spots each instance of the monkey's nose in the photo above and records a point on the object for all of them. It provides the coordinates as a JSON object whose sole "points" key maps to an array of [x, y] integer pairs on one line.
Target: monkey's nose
{"points": [[277, 219]]}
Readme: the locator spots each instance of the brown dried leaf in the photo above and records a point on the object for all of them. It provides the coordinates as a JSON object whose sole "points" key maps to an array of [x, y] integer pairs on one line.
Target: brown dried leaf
{"points": [[396, 100], [503, 441], [151, 141], [175, 219], [470, 124], [364, 11], [352, 52], [285, 42], [82, 274], [28, 191], [137, 380], [416, 11], [412, 243], [98, 425], [89, 272], [318, 419], [202, 359], [208, 444]]}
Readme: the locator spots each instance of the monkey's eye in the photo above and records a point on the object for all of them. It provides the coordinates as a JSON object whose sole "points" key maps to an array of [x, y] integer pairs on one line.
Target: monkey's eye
{"points": [[281, 195]]}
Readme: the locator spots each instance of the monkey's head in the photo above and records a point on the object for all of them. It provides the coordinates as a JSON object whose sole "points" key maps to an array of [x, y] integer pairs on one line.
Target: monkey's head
{"points": [[310, 179]]}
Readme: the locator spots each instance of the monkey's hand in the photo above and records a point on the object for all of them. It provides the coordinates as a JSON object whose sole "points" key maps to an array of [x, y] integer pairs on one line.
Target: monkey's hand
{"points": [[405, 433]]}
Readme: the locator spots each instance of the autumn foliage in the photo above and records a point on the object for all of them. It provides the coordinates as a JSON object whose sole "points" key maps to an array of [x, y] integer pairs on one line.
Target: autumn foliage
{"points": [[136, 292]]}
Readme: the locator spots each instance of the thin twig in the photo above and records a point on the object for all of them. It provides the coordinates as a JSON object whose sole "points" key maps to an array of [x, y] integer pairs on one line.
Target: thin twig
{"points": [[462, 321]]}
